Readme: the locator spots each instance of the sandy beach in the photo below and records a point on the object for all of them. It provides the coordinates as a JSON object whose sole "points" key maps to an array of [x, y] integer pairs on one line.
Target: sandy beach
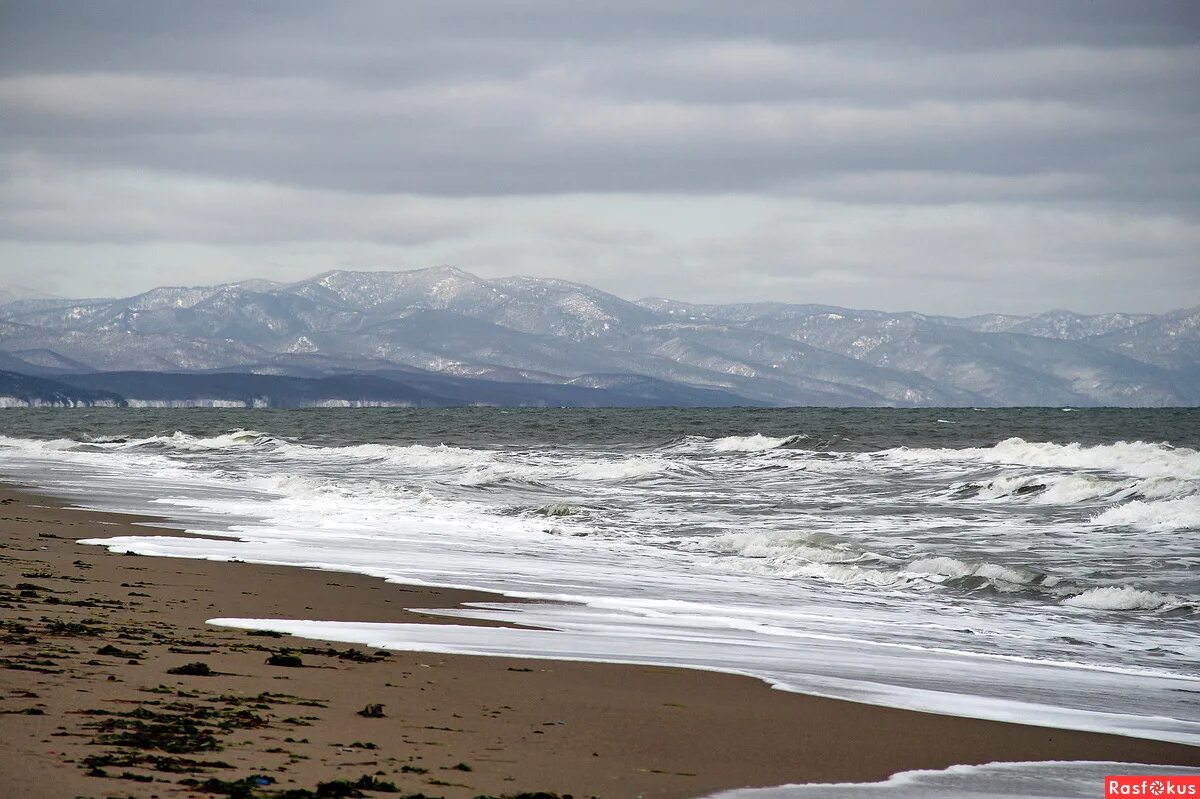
{"points": [[92, 704]]}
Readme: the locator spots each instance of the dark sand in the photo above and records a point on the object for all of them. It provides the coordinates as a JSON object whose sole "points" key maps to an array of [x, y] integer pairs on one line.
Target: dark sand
{"points": [[513, 725]]}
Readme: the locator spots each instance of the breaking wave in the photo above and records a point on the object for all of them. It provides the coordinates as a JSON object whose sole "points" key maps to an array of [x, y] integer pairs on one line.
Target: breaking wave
{"points": [[1058, 489], [621, 469], [1122, 597], [752, 443], [189, 443], [39, 445], [1169, 514], [825, 558], [998, 575], [1134, 458], [416, 456], [755, 442], [473, 467]]}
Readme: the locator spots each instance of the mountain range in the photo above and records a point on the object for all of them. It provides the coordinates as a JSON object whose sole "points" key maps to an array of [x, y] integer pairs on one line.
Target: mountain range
{"points": [[445, 336]]}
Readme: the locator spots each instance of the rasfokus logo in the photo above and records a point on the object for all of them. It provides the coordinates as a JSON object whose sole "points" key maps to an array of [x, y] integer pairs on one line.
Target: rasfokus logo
{"points": [[1158, 785]]}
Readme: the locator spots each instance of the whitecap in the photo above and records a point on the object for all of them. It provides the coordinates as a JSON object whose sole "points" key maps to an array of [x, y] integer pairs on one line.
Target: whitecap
{"points": [[620, 469], [751, 443], [1120, 597], [1136, 458], [943, 566], [1167, 514], [190, 443]]}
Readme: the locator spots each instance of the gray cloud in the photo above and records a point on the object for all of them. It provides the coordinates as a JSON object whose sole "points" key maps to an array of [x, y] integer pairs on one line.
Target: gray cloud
{"points": [[475, 130]]}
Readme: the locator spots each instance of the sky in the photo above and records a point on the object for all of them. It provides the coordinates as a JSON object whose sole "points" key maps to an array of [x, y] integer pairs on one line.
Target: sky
{"points": [[943, 157]]}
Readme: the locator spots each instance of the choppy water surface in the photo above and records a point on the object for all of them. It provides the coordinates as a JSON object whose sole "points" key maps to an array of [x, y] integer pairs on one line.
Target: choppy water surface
{"points": [[1030, 564]]}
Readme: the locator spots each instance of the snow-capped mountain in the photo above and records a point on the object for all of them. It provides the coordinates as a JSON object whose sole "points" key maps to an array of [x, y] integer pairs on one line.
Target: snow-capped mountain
{"points": [[539, 331]]}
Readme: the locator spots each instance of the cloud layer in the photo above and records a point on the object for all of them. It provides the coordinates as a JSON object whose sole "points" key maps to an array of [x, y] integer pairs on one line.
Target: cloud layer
{"points": [[939, 156]]}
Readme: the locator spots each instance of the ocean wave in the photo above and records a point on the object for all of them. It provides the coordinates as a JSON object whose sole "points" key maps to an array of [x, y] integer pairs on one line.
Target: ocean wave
{"points": [[755, 442], [621, 468], [416, 456], [1161, 488], [1167, 514], [278, 482], [1080, 488], [440, 456], [828, 559], [1122, 597], [845, 574], [1058, 489], [752, 443], [500, 474], [993, 573], [816, 556], [322, 495], [811, 548], [1041, 489], [468, 466], [235, 439], [33, 445], [478, 467], [186, 442], [1134, 458]]}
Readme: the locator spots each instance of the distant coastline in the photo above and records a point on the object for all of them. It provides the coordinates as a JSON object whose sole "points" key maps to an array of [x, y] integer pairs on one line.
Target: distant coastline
{"points": [[410, 389]]}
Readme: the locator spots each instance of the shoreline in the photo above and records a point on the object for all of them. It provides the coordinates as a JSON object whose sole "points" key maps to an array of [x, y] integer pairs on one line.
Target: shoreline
{"points": [[588, 729]]}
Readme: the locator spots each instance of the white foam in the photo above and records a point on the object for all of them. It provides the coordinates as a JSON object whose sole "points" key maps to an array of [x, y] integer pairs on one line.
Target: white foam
{"points": [[813, 556], [480, 467], [1167, 514], [620, 469], [1121, 597], [1162, 488], [1044, 488], [1076, 488], [1136, 458], [818, 557], [765, 545], [38, 445], [1007, 486], [952, 567], [1035, 780], [183, 441], [752, 443]]}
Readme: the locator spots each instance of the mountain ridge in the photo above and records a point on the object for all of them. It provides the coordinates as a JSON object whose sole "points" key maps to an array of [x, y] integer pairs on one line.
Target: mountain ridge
{"points": [[446, 320]]}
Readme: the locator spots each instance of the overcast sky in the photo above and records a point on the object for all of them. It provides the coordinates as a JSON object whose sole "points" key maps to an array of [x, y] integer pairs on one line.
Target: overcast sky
{"points": [[946, 157]]}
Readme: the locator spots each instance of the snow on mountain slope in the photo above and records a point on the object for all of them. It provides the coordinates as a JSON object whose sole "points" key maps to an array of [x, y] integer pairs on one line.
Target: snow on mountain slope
{"points": [[445, 319]]}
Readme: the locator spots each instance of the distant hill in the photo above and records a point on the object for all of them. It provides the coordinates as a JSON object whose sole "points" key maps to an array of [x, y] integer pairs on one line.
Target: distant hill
{"points": [[28, 391], [355, 389], [526, 335]]}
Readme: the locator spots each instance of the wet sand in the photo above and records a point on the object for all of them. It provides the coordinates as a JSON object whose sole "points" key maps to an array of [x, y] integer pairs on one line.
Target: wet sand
{"points": [[88, 706]]}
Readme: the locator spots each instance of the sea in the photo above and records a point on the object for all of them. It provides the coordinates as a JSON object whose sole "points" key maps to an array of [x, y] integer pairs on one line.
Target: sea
{"points": [[1037, 565]]}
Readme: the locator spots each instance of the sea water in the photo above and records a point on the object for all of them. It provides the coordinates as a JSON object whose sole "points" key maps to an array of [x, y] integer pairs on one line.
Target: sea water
{"points": [[1033, 565]]}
